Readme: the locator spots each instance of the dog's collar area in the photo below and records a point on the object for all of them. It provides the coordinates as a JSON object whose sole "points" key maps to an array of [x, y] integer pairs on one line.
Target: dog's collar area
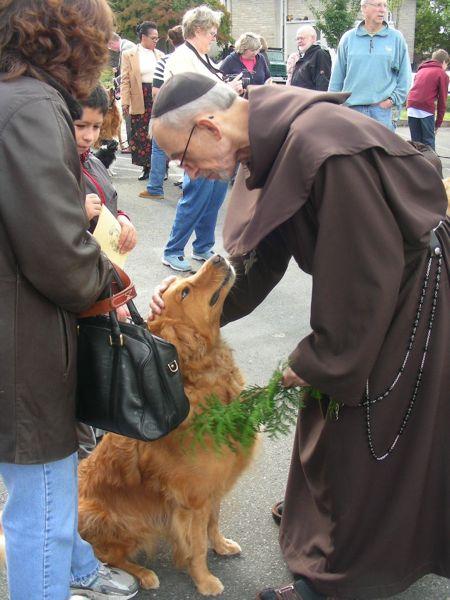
{"points": [[215, 297]]}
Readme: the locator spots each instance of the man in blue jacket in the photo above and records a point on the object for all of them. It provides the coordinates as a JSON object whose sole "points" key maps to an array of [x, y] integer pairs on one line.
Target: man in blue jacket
{"points": [[373, 64]]}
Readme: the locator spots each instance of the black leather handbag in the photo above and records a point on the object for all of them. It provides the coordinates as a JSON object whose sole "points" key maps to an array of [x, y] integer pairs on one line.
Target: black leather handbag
{"points": [[129, 380]]}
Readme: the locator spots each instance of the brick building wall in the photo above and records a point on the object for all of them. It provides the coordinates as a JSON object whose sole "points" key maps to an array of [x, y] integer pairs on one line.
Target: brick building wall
{"points": [[260, 16]]}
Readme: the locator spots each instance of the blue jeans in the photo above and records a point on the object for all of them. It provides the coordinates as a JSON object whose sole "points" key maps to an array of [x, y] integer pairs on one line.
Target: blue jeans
{"points": [[157, 171], [44, 552], [422, 130], [196, 211], [382, 115]]}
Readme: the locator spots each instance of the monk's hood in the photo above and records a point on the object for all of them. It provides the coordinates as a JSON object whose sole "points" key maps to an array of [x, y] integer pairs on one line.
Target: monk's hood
{"points": [[272, 111], [292, 132]]}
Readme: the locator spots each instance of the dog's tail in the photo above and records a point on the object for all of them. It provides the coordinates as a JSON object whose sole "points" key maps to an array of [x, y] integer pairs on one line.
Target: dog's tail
{"points": [[2, 543]]}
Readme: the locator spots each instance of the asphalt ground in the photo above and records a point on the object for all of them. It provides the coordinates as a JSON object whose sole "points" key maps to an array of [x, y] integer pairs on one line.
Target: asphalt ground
{"points": [[260, 341]]}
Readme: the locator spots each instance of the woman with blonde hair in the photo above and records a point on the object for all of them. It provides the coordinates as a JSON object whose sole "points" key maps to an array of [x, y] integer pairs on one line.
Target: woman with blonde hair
{"points": [[202, 198], [247, 60], [50, 270]]}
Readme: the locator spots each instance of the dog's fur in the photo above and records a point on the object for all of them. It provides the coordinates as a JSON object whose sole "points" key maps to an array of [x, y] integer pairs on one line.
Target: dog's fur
{"points": [[110, 128], [106, 145], [132, 493]]}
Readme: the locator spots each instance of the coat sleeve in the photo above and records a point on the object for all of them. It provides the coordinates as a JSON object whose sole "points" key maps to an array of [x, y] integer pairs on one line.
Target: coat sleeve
{"points": [[323, 71], [442, 98], [340, 68], [253, 284], [125, 93], [357, 271], [227, 66], [404, 75], [42, 208], [265, 69]]}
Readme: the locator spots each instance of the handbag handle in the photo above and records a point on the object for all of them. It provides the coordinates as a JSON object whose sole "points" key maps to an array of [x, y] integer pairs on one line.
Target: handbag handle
{"points": [[125, 295]]}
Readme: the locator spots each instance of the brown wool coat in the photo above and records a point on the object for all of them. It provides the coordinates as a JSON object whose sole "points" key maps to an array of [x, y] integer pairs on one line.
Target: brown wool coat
{"points": [[353, 205], [50, 269]]}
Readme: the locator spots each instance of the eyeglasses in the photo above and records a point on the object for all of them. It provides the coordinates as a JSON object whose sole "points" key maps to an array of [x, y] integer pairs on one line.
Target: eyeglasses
{"points": [[152, 37], [186, 147], [212, 34]]}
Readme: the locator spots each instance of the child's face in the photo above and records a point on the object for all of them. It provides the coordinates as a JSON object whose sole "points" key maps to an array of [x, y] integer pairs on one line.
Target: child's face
{"points": [[87, 129]]}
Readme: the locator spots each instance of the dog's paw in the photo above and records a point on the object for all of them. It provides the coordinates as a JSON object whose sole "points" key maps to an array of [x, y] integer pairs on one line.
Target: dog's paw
{"points": [[210, 586], [149, 580], [226, 547]]}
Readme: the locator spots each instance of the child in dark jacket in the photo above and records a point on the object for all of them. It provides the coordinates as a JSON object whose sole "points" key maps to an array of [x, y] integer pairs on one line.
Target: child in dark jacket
{"points": [[99, 191], [430, 85]]}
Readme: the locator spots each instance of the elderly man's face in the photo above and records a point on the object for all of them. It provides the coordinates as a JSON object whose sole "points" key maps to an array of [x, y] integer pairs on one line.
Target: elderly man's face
{"points": [[304, 40], [205, 152]]}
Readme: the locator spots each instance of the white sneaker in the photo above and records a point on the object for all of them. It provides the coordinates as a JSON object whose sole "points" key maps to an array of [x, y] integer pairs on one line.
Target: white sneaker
{"points": [[109, 583]]}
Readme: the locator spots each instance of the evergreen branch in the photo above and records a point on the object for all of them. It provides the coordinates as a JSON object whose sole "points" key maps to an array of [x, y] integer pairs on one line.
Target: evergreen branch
{"points": [[272, 407]]}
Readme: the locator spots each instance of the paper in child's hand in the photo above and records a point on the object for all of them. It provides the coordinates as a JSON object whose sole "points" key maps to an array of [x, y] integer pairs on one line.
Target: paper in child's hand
{"points": [[107, 234]]}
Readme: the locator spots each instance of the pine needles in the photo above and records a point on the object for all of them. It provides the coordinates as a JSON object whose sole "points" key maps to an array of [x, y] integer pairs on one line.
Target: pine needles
{"points": [[272, 407]]}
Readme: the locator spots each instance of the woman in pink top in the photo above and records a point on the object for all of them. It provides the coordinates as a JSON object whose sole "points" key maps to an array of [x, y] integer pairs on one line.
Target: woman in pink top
{"points": [[247, 60]]}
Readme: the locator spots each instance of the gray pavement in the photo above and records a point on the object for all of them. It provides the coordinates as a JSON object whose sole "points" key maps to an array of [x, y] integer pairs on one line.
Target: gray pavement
{"points": [[259, 341]]}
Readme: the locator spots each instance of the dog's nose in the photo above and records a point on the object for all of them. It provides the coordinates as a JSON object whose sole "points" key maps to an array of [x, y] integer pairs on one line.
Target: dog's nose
{"points": [[217, 259]]}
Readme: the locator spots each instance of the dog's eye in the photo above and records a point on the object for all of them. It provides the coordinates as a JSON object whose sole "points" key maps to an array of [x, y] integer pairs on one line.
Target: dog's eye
{"points": [[184, 292]]}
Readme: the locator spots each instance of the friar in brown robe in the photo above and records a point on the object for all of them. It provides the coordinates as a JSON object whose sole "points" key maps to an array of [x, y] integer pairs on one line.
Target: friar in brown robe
{"points": [[367, 506]]}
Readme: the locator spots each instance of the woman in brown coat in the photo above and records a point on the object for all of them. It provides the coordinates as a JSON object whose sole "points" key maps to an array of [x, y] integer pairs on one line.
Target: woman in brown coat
{"points": [[50, 269], [138, 66]]}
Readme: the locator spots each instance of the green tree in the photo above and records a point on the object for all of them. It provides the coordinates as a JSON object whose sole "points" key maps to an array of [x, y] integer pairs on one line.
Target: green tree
{"points": [[165, 13], [335, 17], [432, 27]]}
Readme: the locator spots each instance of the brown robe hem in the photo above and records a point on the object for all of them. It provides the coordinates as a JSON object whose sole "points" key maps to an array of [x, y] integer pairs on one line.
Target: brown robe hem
{"points": [[370, 592]]}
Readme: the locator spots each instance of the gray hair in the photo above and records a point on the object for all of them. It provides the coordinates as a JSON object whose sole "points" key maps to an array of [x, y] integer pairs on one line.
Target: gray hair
{"points": [[308, 29], [247, 41], [220, 97], [201, 17]]}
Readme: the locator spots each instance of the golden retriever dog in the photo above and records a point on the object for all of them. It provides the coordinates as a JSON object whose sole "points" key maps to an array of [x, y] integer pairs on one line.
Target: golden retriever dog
{"points": [[133, 493]]}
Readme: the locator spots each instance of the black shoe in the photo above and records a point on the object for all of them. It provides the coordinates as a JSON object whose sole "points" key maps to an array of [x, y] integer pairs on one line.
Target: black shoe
{"points": [[299, 590], [277, 511], [145, 174]]}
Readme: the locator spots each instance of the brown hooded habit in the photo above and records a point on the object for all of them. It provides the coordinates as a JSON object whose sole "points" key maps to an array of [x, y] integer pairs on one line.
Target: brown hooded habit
{"points": [[355, 206]]}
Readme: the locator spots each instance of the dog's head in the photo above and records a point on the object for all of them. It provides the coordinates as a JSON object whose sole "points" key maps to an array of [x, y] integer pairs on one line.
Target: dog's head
{"points": [[193, 305]]}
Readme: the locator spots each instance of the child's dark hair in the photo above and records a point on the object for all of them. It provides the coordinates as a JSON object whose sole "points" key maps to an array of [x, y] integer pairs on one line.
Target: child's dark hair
{"points": [[98, 99]]}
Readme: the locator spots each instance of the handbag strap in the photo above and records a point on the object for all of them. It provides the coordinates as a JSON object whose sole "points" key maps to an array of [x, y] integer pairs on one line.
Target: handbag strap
{"points": [[125, 295]]}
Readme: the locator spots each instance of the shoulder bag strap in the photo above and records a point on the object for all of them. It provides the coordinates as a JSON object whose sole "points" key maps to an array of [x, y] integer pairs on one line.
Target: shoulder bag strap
{"points": [[211, 68], [125, 294]]}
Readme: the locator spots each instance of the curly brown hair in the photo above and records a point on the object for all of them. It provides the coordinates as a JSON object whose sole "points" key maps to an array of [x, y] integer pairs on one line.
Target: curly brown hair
{"points": [[66, 39]]}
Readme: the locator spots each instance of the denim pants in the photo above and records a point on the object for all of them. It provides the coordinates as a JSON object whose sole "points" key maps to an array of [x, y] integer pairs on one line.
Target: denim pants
{"points": [[382, 115], [422, 130], [157, 170], [196, 211], [44, 552]]}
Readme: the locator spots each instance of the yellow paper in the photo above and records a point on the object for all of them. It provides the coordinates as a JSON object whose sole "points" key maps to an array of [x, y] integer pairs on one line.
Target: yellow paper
{"points": [[107, 234]]}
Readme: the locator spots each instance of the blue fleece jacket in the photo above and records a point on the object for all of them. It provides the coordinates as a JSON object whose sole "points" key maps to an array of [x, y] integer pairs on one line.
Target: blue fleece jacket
{"points": [[372, 67]]}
